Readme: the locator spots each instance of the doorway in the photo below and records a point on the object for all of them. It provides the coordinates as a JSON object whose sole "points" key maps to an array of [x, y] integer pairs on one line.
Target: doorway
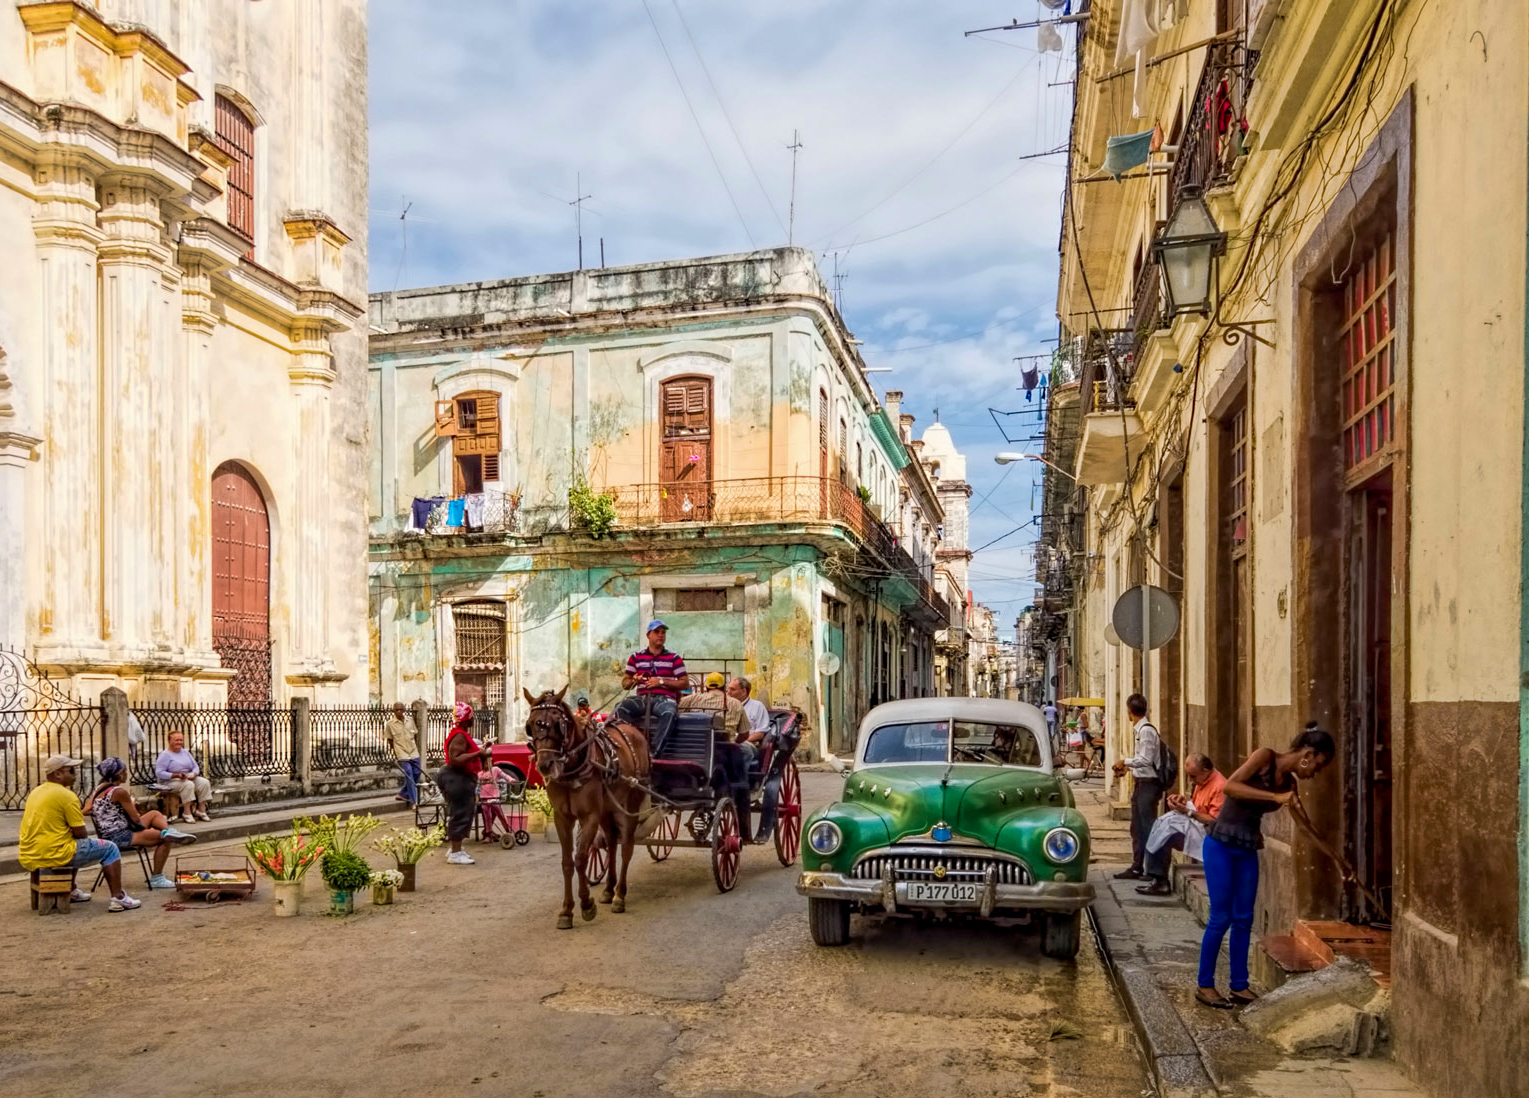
{"points": [[241, 584], [685, 452], [1368, 681]]}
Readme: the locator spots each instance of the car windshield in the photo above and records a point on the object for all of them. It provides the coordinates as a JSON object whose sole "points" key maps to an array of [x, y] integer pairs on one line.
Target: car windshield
{"points": [[973, 742]]}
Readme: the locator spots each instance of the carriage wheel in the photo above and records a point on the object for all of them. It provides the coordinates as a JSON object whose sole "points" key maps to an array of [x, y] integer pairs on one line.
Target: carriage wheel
{"points": [[788, 821], [598, 862], [661, 842], [726, 844]]}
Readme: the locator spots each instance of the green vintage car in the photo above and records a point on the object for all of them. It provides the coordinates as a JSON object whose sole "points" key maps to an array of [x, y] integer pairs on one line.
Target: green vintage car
{"points": [[951, 807]]}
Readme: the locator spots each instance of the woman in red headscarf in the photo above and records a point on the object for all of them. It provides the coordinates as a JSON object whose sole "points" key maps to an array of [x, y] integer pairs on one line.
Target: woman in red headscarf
{"points": [[458, 782]]}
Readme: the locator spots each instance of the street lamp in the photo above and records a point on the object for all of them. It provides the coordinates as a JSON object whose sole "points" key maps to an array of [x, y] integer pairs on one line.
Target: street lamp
{"points": [[1009, 457], [1186, 251]]}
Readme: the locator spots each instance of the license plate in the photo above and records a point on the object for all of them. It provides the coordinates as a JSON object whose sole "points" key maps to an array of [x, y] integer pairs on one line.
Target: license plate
{"points": [[929, 892]]}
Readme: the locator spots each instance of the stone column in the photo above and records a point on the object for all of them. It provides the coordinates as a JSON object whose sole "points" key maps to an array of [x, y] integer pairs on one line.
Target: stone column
{"points": [[194, 495], [312, 376], [18, 449], [68, 408], [136, 388]]}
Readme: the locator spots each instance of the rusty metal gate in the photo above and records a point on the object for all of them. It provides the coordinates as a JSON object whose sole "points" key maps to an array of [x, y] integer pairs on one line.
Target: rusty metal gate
{"points": [[39, 718]]}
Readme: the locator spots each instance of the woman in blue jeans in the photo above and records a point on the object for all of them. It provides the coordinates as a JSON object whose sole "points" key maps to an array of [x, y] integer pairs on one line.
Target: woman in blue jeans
{"points": [[1264, 783]]}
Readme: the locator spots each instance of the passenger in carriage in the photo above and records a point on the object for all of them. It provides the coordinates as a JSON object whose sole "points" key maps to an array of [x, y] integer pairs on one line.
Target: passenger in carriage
{"points": [[733, 756], [659, 674]]}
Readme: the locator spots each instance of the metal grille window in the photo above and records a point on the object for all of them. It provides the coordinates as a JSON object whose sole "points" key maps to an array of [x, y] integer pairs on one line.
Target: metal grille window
{"points": [[1237, 488], [236, 137], [843, 452], [669, 600], [479, 669], [1367, 355]]}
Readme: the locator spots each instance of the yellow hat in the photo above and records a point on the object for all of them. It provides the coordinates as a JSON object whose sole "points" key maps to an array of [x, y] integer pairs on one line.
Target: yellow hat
{"points": [[715, 678]]}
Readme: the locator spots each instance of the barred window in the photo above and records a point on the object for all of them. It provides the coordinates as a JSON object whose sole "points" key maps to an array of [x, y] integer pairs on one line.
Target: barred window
{"points": [[479, 669], [236, 137]]}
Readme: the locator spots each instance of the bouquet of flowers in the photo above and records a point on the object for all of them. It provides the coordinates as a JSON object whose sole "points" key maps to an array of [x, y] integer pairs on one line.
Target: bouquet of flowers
{"points": [[538, 801], [284, 857], [389, 878], [339, 835], [407, 846]]}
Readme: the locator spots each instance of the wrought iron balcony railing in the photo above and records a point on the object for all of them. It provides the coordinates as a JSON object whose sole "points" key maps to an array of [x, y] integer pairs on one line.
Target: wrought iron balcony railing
{"points": [[1216, 133]]}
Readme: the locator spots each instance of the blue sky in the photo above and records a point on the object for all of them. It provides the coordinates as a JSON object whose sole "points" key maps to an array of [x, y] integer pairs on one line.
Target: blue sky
{"points": [[910, 172]]}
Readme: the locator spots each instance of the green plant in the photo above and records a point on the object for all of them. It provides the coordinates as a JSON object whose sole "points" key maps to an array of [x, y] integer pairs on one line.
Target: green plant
{"points": [[594, 512], [538, 801], [338, 835], [346, 871], [408, 846], [864, 493]]}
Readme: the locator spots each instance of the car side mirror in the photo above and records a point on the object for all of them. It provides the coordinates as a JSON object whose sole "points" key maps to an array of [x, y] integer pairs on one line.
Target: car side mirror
{"points": [[838, 764]]}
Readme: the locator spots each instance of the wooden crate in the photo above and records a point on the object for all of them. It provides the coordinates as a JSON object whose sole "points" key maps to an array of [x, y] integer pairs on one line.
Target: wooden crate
{"points": [[214, 877]]}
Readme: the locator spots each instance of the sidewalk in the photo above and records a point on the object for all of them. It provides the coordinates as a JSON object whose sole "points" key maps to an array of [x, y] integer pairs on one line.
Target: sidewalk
{"points": [[234, 822], [1154, 947]]}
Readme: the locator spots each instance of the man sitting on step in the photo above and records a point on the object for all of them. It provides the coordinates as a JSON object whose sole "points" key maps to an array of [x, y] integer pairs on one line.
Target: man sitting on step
{"points": [[1183, 826]]}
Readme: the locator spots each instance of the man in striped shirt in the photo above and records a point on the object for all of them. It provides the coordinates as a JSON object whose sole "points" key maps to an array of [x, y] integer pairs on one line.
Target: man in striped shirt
{"points": [[659, 674]]}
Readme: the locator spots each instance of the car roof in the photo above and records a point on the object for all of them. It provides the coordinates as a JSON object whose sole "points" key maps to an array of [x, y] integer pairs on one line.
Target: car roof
{"points": [[994, 710]]}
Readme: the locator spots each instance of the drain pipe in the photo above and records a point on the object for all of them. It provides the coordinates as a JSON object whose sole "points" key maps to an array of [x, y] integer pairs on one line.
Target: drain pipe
{"points": [[1523, 649]]}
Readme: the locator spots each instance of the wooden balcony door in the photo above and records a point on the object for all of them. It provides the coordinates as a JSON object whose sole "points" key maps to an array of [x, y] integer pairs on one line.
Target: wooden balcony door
{"points": [[241, 583], [684, 463]]}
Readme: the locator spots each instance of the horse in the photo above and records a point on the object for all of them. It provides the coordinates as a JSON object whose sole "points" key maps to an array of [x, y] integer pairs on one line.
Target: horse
{"points": [[592, 778]]}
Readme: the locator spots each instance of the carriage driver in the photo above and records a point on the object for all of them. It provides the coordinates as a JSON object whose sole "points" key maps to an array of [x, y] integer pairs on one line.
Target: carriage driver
{"points": [[659, 674]]}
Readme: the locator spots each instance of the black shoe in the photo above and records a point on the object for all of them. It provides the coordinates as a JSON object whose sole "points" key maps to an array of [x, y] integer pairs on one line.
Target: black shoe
{"points": [[1131, 874], [1158, 887]]}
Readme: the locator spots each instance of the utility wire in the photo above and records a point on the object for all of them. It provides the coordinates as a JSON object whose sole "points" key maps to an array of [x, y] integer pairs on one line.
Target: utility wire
{"points": [[718, 96], [858, 242], [697, 120]]}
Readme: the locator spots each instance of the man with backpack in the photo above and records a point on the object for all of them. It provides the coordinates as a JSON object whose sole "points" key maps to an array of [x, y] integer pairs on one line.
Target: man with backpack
{"points": [[1154, 770]]}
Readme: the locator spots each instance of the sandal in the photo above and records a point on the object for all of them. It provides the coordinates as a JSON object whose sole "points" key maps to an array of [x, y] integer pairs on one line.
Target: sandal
{"points": [[1243, 997], [1213, 999]]}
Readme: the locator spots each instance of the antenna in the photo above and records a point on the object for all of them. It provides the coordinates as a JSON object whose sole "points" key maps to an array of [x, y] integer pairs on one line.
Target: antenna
{"points": [[795, 147], [839, 284], [578, 216], [403, 256]]}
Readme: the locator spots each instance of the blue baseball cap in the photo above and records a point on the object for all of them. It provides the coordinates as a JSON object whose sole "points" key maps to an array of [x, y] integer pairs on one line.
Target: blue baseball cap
{"points": [[655, 624]]}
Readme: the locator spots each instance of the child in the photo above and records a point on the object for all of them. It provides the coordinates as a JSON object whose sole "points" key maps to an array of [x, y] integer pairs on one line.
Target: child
{"points": [[492, 783]]}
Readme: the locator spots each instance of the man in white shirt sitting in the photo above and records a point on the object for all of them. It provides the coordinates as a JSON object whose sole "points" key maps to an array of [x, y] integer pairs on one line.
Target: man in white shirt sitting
{"points": [[754, 709]]}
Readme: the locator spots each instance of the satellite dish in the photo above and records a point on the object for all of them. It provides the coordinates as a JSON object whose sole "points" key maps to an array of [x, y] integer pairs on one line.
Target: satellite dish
{"points": [[828, 664], [1110, 636], [1163, 615]]}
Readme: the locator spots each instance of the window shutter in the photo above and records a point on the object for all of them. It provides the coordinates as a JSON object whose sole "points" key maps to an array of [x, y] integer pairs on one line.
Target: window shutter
{"points": [[686, 405], [445, 418], [822, 420], [488, 414], [236, 136], [490, 467]]}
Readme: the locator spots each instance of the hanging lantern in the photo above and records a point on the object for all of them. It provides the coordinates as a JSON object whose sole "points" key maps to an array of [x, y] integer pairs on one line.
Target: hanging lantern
{"points": [[1186, 252]]}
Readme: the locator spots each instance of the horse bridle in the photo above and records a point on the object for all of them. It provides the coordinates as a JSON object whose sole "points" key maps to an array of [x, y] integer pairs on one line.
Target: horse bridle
{"points": [[562, 755]]}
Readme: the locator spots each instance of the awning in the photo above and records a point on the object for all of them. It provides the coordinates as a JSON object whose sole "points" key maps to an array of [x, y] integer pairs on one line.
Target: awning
{"points": [[1083, 703], [887, 436]]}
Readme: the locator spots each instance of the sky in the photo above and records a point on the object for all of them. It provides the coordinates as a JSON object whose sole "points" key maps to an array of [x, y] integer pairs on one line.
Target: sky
{"points": [[917, 175]]}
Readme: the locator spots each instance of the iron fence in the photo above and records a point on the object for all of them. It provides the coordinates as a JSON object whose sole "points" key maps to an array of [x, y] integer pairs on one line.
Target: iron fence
{"points": [[235, 741], [438, 719], [39, 718], [348, 737]]}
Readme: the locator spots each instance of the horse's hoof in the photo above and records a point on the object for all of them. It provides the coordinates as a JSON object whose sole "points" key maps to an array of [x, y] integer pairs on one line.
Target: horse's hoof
{"points": [[589, 913], [618, 905], [607, 897], [565, 922]]}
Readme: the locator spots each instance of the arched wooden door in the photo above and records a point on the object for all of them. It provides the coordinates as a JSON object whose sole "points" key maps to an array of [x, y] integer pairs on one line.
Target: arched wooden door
{"points": [[241, 583]]}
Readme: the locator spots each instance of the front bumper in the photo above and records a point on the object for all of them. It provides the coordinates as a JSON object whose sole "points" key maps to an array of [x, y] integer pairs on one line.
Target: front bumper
{"points": [[1065, 896]]}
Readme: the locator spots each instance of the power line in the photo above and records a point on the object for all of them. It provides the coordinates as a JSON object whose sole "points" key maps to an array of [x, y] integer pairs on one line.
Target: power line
{"points": [[718, 96], [857, 242], [697, 120]]}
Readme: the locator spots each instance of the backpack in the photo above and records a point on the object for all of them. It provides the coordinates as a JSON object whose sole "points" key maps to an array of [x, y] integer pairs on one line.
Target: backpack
{"points": [[1167, 762]]}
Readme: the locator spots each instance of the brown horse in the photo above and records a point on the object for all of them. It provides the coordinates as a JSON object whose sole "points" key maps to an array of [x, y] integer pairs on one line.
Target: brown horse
{"points": [[590, 775]]}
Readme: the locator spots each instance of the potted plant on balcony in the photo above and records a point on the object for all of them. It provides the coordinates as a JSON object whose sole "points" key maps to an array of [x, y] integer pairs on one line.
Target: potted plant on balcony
{"points": [[864, 493], [591, 511]]}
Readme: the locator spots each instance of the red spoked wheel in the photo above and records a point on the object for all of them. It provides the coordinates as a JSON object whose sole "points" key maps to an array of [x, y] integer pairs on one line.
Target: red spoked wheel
{"points": [[788, 819], [597, 862], [661, 842], [726, 845]]}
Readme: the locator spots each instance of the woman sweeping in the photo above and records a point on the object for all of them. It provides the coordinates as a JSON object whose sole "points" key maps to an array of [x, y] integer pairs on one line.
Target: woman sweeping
{"points": [[458, 782], [1264, 783]]}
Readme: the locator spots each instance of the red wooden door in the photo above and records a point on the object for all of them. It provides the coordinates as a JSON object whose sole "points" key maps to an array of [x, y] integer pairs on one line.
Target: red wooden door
{"points": [[241, 583], [684, 463]]}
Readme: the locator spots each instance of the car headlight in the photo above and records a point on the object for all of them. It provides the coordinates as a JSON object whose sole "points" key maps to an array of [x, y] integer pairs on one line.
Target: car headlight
{"points": [[1062, 845], [825, 837]]}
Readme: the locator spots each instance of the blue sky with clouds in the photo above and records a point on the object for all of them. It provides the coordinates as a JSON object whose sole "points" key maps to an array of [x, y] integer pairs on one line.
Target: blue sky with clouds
{"points": [[910, 172]]}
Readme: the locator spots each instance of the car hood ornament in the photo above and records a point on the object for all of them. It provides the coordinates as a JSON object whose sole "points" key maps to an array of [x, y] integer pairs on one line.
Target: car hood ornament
{"points": [[941, 832]]}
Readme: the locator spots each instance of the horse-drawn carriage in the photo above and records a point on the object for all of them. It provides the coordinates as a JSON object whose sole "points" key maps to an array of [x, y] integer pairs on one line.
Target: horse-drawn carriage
{"points": [[690, 787]]}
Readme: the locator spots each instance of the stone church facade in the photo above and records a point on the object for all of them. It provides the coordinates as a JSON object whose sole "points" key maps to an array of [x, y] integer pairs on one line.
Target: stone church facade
{"points": [[183, 346]]}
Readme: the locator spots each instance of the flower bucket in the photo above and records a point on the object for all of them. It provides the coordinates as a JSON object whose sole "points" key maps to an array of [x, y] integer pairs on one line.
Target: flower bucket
{"points": [[382, 894], [407, 869], [342, 901], [288, 897], [536, 823]]}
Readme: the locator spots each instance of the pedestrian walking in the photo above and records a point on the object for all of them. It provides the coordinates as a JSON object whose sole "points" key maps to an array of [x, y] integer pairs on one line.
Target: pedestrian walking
{"points": [[405, 747], [1264, 783], [458, 782], [1051, 713], [1147, 788]]}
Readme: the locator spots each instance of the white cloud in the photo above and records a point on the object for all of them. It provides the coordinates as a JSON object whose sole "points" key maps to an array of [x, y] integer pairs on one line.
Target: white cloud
{"points": [[480, 117]]}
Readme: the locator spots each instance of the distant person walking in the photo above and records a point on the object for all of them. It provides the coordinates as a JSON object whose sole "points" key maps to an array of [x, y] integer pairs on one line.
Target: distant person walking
{"points": [[1264, 783], [405, 747], [1146, 790], [1051, 722]]}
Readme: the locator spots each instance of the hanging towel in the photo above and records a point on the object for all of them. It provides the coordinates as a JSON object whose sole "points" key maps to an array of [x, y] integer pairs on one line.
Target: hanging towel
{"points": [[1141, 21], [1126, 151], [419, 512], [1048, 38], [455, 513], [472, 506]]}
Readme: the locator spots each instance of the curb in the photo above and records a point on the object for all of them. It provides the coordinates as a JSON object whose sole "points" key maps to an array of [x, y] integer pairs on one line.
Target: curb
{"points": [[1177, 1068], [232, 827]]}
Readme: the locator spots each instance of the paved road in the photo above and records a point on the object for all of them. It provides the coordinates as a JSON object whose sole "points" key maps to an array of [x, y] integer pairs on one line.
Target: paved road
{"points": [[466, 988]]}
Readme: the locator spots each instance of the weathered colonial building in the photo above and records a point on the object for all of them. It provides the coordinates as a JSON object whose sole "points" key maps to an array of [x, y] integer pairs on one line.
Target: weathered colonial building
{"points": [[1320, 451], [560, 458], [947, 466], [182, 430]]}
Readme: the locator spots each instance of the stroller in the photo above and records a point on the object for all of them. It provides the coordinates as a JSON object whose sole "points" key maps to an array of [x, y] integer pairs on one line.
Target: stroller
{"points": [[430, 807], [502, 810]]}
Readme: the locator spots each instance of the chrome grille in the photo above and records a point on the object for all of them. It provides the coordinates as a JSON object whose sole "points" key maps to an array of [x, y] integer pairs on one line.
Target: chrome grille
{"points": [[921, 867]]}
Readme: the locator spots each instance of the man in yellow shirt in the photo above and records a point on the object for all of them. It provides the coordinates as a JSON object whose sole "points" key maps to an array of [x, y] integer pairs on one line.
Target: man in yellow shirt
{"points": [[53, 833]]}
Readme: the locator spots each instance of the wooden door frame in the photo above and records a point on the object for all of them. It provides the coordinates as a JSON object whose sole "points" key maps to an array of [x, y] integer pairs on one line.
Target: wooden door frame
{"points": [[1223, 738]]}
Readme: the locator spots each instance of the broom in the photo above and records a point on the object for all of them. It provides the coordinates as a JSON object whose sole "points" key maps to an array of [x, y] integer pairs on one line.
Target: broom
{"points": [[1298, 810]]}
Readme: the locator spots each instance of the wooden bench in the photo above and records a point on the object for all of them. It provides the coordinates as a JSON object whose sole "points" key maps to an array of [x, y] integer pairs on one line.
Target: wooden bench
{"points": [[52, 889]]}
